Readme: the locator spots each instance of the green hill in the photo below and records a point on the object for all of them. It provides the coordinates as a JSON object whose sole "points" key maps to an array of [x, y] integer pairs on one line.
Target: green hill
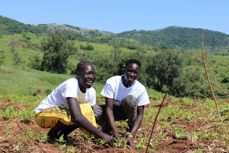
{"points": [[11, 26], [21, 50], [180, 37], [170, 37]]}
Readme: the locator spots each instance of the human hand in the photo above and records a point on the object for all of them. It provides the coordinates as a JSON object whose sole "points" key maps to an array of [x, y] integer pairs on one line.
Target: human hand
{"points": [[97, 109], [109, 139], [130, 142], [115, 134]]}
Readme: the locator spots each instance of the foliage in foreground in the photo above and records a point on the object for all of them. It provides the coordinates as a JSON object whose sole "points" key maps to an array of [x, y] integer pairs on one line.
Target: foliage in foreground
{"points": [[194, 121]]}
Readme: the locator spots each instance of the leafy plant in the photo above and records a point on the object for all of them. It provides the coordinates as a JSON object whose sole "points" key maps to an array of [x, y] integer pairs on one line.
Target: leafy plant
{"points": [[18, 146], [163, 69], [56, 50]]}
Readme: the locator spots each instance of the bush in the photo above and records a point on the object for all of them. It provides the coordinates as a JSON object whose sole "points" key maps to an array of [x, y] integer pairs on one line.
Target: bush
{"points": [[56, 50], [2, 57], [86, 47], [163, 69], [90, 47], [225, 80], [35, 62], [190, 83]]}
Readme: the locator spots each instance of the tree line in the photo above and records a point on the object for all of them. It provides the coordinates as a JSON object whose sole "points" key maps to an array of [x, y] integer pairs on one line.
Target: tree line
{"points": [[165, 70]]}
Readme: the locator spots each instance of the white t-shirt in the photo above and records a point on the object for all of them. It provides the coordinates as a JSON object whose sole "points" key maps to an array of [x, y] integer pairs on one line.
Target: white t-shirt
{"points": [[115, 89], [68, 88]]}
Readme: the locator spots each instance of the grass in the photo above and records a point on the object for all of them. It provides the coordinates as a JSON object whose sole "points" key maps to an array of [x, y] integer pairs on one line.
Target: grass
{"points": [[16, 80], [22, 89], [188, 118]]}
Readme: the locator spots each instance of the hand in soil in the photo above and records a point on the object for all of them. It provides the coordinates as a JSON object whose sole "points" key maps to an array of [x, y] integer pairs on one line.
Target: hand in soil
{"points": [[115, 134], [109, 139], [130, 142]]}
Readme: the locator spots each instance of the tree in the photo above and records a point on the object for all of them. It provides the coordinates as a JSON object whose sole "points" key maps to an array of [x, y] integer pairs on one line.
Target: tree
{"points": [[90, 47], [14, 52], [190, 83], [35, 62], [109, 66], [56, 50], [163, 69], [86, 47], [116, 57], [2, 57]]}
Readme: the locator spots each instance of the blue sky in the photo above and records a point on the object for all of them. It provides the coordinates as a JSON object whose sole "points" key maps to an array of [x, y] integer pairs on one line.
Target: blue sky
{"points": [[121, 15]]}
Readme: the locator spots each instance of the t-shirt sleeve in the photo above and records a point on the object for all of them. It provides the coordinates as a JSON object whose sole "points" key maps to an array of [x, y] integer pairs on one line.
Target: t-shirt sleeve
{"points": [[143, 99], [107, 91], [69, 89], [92, 97]]}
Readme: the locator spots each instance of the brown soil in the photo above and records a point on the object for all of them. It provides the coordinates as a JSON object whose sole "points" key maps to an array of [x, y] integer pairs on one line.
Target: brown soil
{"points": [[17, 135]]}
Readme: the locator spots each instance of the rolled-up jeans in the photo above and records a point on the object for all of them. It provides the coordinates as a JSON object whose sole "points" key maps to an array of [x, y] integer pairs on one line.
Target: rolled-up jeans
{"points": [[126, 111]]}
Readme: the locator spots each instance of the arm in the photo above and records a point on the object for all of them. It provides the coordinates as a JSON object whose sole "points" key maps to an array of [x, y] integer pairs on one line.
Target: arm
{"points": [[137, 124], [110, 116], [78, 118], [138, 120]]}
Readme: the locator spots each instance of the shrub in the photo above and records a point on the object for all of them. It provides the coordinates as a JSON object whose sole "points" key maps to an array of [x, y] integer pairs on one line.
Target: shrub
{"points": [[190, 83], [163, 69], [225, 80], [56, 50]]}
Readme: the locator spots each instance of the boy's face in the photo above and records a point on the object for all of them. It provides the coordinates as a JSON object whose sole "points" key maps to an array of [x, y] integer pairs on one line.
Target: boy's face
{"points": [[132, 72], [87, 76]]}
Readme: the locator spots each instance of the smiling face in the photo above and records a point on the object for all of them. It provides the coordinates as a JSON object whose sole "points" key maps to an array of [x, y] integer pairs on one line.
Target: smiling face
{"points": [[131, 74], [86, 77]]}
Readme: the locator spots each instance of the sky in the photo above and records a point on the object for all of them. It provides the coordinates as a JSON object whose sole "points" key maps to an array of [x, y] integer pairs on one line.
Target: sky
{"points": [[121, 15]]}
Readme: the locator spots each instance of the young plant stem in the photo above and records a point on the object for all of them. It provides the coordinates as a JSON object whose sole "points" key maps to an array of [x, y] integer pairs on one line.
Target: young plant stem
{"points": [[211, 88], [155, 121]]}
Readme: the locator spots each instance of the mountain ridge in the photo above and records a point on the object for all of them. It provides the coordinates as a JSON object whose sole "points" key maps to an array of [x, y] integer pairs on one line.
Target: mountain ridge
{"points": [[180, 37], [169, 37]]}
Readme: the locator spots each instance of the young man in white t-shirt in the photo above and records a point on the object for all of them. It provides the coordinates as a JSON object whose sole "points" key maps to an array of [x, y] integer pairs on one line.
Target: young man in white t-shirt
{"points": [[69, 106], [125, 98]]}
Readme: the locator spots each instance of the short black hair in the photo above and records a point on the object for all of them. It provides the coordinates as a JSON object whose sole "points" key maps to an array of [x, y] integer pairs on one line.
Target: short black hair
{"points": [[80, 66], [133, 61]]}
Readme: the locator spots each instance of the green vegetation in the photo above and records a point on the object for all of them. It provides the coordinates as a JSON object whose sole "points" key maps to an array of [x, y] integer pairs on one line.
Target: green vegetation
{"points": [[57, 50], [170, 37], [16, 80], [178, 37], [185, 119], [10, 26], [178, 72], [163, 69], [27, 49]]}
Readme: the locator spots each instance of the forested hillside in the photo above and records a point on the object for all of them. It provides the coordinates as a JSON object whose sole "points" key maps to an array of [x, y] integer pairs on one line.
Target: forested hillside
{"points": [[10, 26], [171, 37], [173, 69], [179, 37]]}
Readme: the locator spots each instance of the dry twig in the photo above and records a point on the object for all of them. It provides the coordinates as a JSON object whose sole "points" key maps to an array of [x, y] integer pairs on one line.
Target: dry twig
{"points": [[210, 86], [154, 123], [31, 139]]}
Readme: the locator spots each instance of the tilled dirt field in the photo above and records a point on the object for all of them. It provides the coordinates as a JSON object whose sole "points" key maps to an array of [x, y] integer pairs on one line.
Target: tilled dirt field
{"points": [[21, 135]]}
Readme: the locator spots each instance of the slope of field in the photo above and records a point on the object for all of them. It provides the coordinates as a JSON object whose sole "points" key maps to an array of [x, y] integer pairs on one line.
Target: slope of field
{"points": [[183, 125]]}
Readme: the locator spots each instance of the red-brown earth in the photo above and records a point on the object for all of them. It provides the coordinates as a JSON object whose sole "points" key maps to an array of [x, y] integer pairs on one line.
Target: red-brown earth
{"points": [[21, 135]]}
